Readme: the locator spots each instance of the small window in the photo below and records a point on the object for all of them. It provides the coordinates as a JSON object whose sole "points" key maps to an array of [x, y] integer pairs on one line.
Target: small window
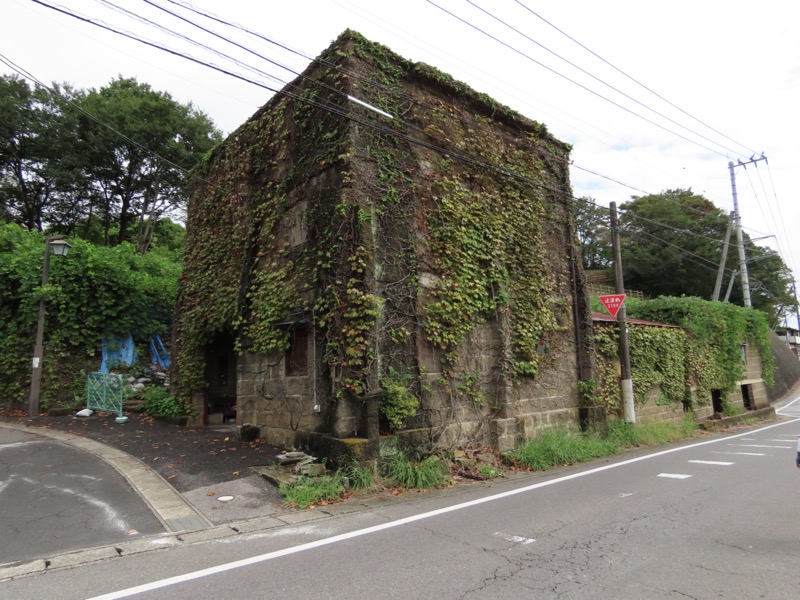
{"points": [[296, 357], [744, 354]]}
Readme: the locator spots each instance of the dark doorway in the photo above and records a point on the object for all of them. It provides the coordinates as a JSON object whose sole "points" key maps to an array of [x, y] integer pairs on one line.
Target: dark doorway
{"points": [[716, 401], [221, 379], [747, 396], [297, 353]]}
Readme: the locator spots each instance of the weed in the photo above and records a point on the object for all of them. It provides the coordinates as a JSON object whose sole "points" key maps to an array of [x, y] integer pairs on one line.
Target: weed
{"points": [[359, 478], [488, 472], [429, 472], [309, 491]]}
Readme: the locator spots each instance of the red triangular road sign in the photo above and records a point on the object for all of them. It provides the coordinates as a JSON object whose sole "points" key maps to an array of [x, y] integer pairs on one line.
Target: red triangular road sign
{"points": [[613, 302]]}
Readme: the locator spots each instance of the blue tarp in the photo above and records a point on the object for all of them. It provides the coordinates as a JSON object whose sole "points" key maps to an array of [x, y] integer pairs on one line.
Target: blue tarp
{"points": [[117, 351], [160, 353]]}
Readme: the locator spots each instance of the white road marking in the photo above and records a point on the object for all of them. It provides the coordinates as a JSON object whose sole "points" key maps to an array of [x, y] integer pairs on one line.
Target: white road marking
{"points": [[758, 446], [625, 494], [740, 453], [517, 539], [222, 568], [712, 462], [674, 475]]}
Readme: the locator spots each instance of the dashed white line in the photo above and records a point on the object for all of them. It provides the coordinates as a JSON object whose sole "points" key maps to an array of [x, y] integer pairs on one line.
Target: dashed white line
{"points": [[740, 453], [712, 462], [674, 475], [758, 446]]}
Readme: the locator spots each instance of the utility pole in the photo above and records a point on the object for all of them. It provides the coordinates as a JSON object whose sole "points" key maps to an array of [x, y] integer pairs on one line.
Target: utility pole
{"points": [[723, 259], [626, 382], [739, 238]]}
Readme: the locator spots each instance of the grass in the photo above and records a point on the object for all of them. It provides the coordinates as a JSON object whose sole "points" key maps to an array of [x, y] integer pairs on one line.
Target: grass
{"points": [[398, 469], [561, 446], [307, 492], [310, 491]]}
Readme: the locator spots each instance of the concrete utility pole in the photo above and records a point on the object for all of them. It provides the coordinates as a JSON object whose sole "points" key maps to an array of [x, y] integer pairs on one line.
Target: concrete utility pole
{"points": [[723, 259], [739, 238], [626, 382]]}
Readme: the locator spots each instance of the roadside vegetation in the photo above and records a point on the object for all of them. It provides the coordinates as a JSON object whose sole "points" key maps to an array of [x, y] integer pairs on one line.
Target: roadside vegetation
{"points": [[561, 446], [552, 448]]}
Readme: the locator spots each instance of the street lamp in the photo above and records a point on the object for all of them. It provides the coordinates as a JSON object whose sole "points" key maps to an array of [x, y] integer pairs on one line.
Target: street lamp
{"points": [[56, 245]]}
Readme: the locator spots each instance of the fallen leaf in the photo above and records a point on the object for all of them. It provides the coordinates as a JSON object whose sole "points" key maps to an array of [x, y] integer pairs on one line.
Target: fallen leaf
{"points": [[172, 477], [211, 494], [236, 472]]}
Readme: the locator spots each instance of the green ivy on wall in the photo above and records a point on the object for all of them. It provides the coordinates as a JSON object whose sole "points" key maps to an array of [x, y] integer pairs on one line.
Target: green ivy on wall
{"points": [[704, 355]]}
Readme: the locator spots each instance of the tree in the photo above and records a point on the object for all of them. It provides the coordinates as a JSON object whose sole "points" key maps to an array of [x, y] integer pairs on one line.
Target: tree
{"points": [[139, 146], [37, 178], [671, 245], [592, 223], [106, 164]]}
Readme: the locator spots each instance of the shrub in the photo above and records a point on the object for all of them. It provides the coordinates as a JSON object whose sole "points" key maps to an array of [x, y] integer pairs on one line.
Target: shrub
{"points": [[158, 403], [398, 401]]}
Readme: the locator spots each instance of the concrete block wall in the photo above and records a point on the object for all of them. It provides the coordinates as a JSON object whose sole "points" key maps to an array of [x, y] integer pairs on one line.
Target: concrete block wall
{"points": [[653, 410]]}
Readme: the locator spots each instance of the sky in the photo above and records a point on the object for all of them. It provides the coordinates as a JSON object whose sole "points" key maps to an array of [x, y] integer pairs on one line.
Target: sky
{"points": [[651, 95]]}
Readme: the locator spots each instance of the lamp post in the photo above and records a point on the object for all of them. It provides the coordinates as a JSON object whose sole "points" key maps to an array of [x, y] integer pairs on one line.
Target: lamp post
{"points": [[56, 245]]}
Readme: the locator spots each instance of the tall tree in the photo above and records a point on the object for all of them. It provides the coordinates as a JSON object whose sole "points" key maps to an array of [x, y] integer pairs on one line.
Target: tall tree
{"points": [[592, 223], [672, 243], [105, 164], [36, 174], [139, 144]]}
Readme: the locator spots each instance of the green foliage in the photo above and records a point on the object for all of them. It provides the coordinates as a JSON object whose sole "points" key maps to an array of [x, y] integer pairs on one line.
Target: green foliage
{"points": [[399, 469], [61, 165], [92, 293], [555, 447], [307, 492], [359, 478], [489, 472], [594, 234], [731, 411], [159, 403], [561, 446], [704, 354], [587, 393], [717, 331], [650, 434], [398, 401], [664, 234]]}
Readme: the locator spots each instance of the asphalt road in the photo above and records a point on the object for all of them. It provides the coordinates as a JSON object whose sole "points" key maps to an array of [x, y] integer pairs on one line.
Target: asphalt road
{"points": [[716, 519], [55, 498]]}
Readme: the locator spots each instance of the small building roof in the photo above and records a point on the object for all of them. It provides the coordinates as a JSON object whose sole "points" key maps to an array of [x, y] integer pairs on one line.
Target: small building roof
{"points": [[604, 318]]}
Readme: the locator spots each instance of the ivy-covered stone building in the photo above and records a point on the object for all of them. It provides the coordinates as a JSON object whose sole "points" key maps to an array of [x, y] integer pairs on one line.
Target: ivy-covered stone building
{"points": [[381, 248]]}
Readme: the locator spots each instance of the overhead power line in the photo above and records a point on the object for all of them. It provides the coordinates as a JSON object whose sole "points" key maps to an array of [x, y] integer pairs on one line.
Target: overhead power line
{"points": [[598, 79], [636, 81], [580, 85]]}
